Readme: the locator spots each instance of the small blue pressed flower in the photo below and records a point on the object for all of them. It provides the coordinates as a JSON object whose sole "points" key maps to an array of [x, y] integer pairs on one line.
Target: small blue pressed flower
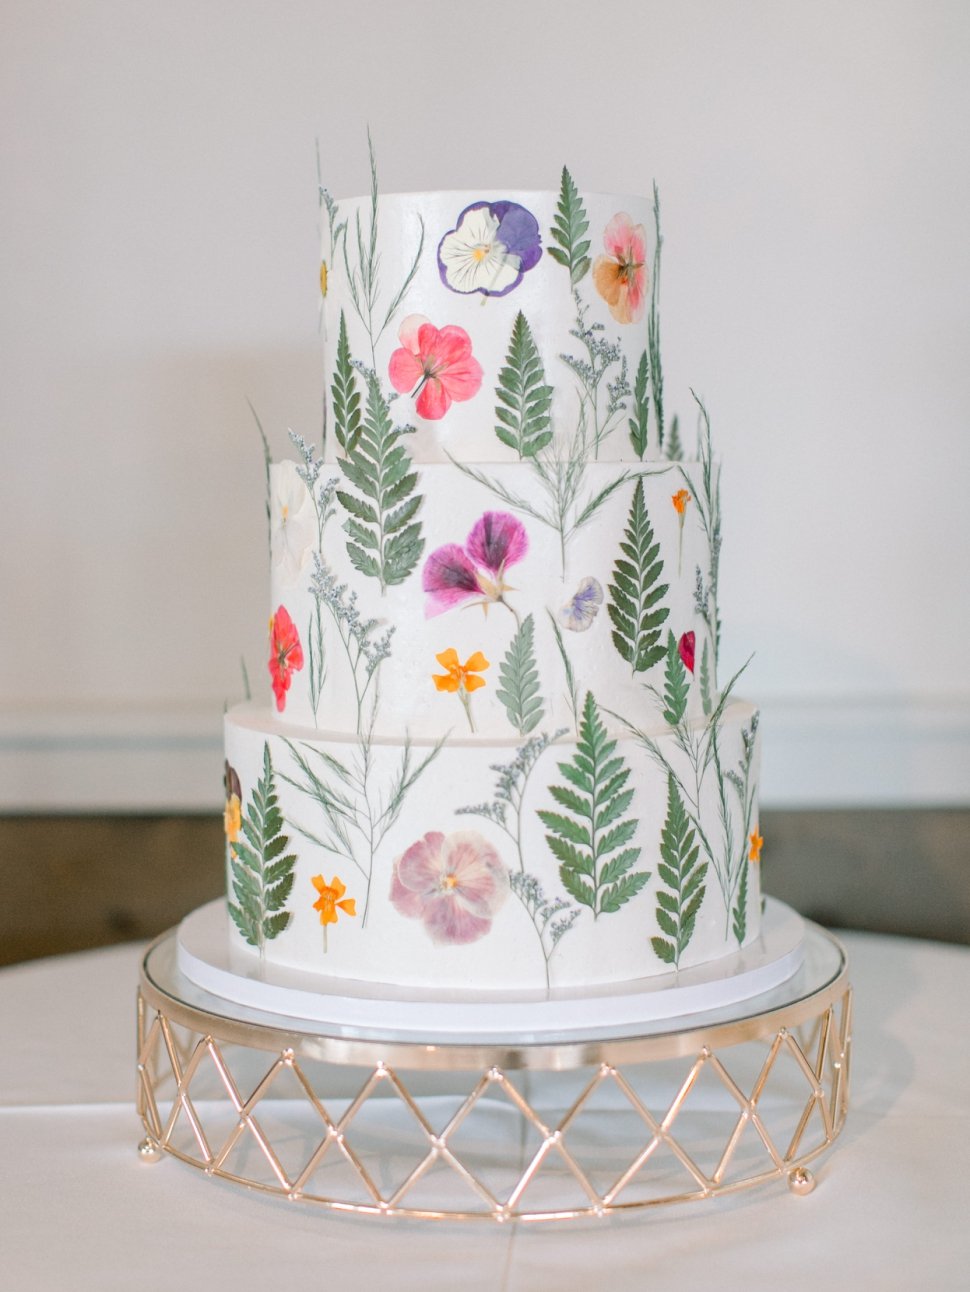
{"points": [[492, 245]]}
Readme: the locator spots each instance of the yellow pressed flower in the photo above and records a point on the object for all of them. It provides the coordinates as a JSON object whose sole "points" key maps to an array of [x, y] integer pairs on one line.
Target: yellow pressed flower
{"points": [[458, 675], [329, 901], [680, 500], [323, 278], [756, 841], [232, 817]]}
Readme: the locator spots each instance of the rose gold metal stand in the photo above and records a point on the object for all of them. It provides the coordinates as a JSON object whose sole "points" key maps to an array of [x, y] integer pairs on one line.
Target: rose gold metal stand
{"points": [[554, 1129]]}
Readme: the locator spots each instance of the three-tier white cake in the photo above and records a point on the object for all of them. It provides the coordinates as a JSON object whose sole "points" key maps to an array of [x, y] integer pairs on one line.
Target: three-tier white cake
{"points": [[496, 755]]}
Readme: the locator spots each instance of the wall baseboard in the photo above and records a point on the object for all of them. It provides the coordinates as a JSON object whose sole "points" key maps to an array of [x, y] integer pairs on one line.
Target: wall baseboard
{"points": [[821, 753]]}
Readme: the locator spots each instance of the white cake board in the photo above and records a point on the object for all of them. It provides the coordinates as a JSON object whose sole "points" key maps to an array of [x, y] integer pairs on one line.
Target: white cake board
{"points": [[204, 958]]}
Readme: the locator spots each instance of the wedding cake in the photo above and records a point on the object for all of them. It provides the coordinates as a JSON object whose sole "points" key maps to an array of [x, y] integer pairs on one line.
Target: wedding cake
{"points": [[497, 755]]}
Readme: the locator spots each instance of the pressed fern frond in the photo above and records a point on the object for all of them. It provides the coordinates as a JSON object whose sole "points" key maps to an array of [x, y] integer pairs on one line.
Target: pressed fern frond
{"points": [[569, 228], [679, 900], [384, 540], [261, 868], [519, 678], [636, 591], [641, 407], [523, 397], [344, 394], [591, 838], [676, 684]]}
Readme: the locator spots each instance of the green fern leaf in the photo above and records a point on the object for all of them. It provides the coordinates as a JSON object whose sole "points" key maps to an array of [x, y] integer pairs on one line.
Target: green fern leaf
{"points": [[676, 684], [569, 228], [636, 590], [739, 919], [682, 876], [587, 838], [519, 678], [522, 411], [261, 869], [641, 407], [384, 540], [675, 449], [345, 395]]}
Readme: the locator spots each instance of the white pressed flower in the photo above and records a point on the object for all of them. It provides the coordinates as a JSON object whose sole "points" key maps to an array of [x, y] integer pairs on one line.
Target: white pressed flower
{"points": [[293, 521], [474, 259]]}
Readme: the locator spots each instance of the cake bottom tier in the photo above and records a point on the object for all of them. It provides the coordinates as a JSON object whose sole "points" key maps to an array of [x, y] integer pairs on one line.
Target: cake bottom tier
{"points": [[562, 860]]}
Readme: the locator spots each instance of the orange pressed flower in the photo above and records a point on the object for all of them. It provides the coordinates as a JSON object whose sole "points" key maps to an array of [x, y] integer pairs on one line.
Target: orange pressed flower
{"points": [[329, 901], [458, 675], [754, 853], [232, 817], [680, 500]]}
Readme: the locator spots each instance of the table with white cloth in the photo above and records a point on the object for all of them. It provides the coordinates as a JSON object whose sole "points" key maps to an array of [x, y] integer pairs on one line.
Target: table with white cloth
{"points": [[80, 1210]]}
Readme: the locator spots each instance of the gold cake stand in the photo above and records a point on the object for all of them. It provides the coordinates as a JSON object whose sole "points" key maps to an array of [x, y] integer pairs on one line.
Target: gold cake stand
{"points": [[558, 1128]]}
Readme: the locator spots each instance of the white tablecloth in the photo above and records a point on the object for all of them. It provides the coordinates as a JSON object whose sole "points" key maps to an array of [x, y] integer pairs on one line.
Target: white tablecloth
{"points": [[79, 1210]]}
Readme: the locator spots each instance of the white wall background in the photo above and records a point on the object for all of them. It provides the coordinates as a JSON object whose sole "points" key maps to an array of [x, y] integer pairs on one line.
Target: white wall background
{"points": [[159, 263]]}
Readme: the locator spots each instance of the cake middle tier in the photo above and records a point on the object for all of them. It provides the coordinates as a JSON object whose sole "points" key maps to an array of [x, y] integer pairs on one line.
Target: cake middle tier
{"points": [[503, 594]]}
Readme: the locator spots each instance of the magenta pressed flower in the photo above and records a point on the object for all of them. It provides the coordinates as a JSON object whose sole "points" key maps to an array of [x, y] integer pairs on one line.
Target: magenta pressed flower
{"points": [[453, 574], [453, 883]]}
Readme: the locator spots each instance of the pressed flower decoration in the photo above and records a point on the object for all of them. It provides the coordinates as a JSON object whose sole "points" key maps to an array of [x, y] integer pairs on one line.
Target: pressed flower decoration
{"points": [[285, 654], [685, 648], [232, 814], [461, 679], [680, 500], [583, 606], [453, 883], [435, 365], [756, 844], [621, 275], [492, 245], [475, 573], [330, 900], [293, 520]]}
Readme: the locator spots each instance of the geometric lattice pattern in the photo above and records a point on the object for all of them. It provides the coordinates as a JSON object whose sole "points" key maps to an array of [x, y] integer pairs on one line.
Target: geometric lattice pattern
{"points": [[494, 1143]]}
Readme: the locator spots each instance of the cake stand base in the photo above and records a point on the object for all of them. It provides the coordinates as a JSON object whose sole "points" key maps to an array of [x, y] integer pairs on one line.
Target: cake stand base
{"points": [[564, 1128]]}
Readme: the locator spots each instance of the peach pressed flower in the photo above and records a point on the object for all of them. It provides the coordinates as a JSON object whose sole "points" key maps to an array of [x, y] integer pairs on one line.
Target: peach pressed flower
{"points": [[460, 678], [621, 275], [756, 841], [332, 899]]}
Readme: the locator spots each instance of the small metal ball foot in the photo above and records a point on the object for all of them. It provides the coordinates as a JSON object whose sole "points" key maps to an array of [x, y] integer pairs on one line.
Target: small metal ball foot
{"points": [[148, 1150], [801, 1181]]}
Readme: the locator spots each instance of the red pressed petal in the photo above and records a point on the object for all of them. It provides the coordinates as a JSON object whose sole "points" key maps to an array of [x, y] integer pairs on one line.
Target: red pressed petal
{"points": [[462, 379], [686, 649], [452, 345], [433, 401], [404, 371]]}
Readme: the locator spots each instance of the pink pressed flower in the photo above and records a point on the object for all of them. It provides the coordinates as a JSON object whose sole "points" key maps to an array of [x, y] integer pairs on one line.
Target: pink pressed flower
{"points": [[449, 578], [621, 275], [497, 541], [453, 883], [686, 649], [436, 365], [453, 574]]}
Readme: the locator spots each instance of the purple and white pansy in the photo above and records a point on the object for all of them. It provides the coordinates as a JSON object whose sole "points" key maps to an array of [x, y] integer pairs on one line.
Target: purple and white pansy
{"points": [[492, 245]]}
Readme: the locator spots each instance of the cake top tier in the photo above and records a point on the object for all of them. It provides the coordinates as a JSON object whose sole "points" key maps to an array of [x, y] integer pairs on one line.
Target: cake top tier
{"points": [[499, 325]]}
